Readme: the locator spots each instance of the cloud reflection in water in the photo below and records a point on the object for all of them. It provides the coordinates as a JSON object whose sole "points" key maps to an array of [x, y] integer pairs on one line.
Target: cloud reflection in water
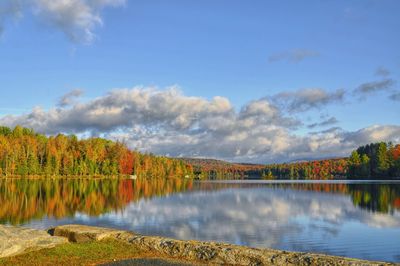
{"points": [[263, 217]]}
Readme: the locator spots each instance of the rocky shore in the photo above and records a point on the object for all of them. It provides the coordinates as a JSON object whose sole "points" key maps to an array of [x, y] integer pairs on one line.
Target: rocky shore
{"points": [[15, 240]]}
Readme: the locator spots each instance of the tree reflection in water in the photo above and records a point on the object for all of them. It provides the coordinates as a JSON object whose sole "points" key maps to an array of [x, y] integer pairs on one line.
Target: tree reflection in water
{"points": [[25, 199]]}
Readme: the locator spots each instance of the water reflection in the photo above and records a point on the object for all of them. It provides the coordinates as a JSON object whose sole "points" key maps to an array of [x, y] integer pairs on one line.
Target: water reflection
{"points": [[338, 218], [374, 196], [23, 200]]}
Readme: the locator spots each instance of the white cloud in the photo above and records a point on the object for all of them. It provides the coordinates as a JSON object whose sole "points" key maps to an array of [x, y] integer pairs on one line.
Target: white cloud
{"points": [[168, 122], [69, 98], [375, 133], [77, 19]]}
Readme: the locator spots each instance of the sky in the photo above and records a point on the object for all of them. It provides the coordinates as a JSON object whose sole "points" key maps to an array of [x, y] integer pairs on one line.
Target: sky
{"points": [[262, 82]]}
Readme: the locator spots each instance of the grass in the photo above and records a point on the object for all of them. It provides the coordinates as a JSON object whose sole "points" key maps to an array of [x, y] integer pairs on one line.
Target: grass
{"points": [[91, 253]]}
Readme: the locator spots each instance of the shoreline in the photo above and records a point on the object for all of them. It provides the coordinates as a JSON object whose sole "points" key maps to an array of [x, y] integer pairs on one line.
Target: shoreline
{"points": [[200, 252]]}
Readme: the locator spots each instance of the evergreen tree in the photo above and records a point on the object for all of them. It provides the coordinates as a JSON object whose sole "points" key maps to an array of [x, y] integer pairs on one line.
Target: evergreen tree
{"points": [[354, 164], [382, 160], [365, 166]]}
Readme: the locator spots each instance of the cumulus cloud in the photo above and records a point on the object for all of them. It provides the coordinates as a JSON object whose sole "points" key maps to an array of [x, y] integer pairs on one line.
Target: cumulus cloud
{"points": [[77, 19], [125, 108], [306, 99], [374, 134], [330, 121], [170, 123], [70, 97], [268, 144], [293, 56]]}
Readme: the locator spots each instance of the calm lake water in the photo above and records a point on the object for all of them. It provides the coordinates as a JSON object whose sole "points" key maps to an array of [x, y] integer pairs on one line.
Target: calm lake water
{"points": [[354, 219]]}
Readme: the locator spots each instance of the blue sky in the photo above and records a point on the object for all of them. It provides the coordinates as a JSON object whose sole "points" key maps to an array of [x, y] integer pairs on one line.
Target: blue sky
{"points": [[338, 60]]}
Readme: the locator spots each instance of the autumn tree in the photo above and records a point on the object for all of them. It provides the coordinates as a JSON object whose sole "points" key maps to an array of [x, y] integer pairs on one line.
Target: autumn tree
{"points": [[24, 152]]}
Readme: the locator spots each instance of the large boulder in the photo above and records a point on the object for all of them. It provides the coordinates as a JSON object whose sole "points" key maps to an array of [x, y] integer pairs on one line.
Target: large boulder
{"points": [[16, 240], [83, 233]]}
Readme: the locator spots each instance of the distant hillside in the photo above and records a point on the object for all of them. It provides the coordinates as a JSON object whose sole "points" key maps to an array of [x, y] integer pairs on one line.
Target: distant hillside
{"points": [[221, 169], [317, 169], [375, 160]]}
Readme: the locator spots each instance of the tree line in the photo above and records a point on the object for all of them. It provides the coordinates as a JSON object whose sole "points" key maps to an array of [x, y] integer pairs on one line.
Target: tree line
{"points": [[218, 169], [321, 169], [375, 160], [26, 153]]}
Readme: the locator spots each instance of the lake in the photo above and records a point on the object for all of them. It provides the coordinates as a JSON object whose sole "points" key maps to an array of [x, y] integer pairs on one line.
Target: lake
{"points": [[358, 219]]}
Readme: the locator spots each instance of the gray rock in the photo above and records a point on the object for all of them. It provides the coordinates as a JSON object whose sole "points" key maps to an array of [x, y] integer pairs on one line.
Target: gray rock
{"points": [[16, 240], [83, 233], [206, 252], [147, 262]]}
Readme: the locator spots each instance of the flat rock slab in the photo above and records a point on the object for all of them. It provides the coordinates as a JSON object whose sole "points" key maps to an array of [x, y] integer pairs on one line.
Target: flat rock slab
{"points": [[211, 253], [16, 240], [83, 233], [148, 262]]}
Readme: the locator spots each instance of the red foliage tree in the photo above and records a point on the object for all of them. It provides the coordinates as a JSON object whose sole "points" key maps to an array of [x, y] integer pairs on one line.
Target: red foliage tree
{"points": [[126, 163]]}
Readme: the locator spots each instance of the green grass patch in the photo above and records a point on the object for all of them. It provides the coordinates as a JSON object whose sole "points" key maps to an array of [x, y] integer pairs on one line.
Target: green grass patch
{"points": [[91, 253]]}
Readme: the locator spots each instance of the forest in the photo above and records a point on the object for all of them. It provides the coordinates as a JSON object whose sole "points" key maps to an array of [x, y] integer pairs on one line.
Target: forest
{"points": [[375, 160], [218, 169], [321, 169], [26, 153]]}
